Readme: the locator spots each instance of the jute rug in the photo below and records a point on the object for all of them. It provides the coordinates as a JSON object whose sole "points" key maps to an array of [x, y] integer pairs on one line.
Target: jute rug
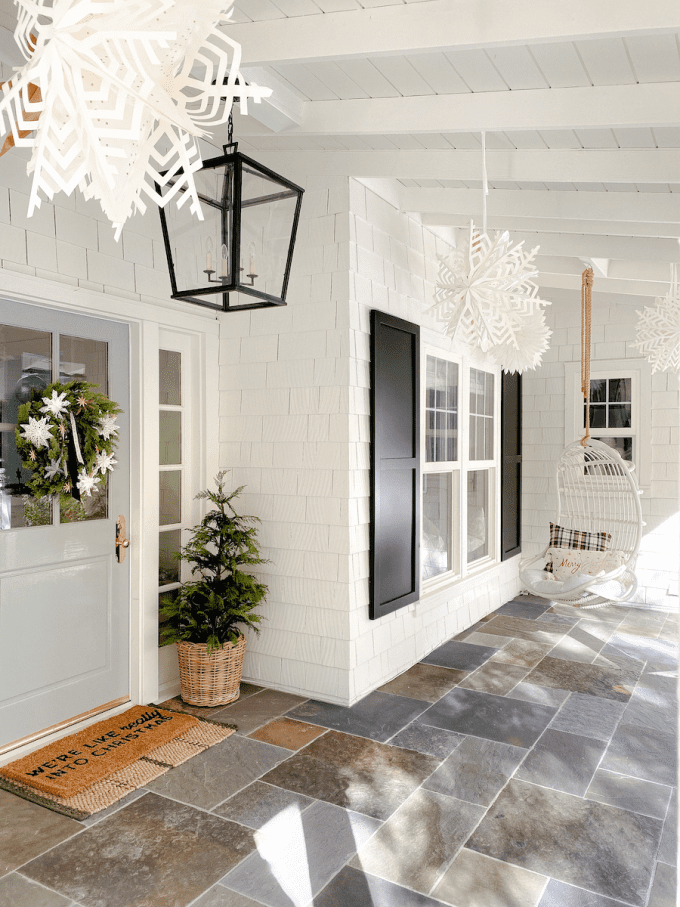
{"points": [[84, 773]]}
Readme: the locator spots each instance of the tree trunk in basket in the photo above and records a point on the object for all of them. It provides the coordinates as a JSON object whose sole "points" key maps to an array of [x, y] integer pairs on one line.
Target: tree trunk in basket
{"points": [[210, 680]]}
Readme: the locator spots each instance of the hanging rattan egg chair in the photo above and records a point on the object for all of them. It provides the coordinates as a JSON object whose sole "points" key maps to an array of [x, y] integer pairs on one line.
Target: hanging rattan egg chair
{"points": [[598, 510]]}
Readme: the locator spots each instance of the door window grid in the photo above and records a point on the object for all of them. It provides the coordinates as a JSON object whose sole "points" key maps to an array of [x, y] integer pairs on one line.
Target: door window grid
{"points": [[171, 473], [450, 520]]}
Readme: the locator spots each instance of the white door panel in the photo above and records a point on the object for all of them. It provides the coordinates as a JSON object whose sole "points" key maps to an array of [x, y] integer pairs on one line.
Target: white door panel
{"points": [[64, 598]]}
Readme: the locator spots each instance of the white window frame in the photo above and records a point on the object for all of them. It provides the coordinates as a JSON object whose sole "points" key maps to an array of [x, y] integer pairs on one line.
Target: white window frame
{"points": [[640, 374], [459, 469]]}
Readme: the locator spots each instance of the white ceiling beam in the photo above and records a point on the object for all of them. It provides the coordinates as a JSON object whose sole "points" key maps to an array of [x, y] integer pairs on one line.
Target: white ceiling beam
{"points": [[623, 165], [554, 225], [281, 110], [584, 245], [601, 107], [649, 207], [447, 25], [603, 285]]}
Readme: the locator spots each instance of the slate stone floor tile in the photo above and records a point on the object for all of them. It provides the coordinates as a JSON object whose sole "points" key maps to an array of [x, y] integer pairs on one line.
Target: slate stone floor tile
{"points": [[353, 888], [299, 853], [16, 891], [27, 830], [258, 803], [378, 716], [213, 776], [664, 887], [597, 847], [219, 896], [434, 741], [592, 632], [353, 772], [532, 630], [289, 734], [558, 894], [416, 844], [590, 716], [487, 639], [454, 654], [155, 852], [571, 649], [559, 620], [523, 653], [121, 804], [642, 713], [526, 609], [424, 681], [254, 711], [474, 880], [611, 657], [531, 692], [611, 683], [498, 718], [494, 677], [643, 753], [668, 849], [657, 652], [476, 770], [565, 762], [633, 794]]}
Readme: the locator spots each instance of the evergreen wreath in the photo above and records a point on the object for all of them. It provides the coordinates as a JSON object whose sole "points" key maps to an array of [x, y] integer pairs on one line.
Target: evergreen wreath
{"points": [[66, 436]]}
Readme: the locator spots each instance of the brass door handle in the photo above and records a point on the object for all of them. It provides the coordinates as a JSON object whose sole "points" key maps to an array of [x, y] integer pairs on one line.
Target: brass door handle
{"points": [[122, 542]]}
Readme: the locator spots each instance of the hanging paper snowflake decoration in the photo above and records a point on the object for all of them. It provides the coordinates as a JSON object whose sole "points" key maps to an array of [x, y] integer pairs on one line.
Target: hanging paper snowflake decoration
{"points": [[55, 405], [107, 427], [485, 291], [103, 462], [532, 339], [87, 484], [124, 89], [38, 432], [657, 334]]}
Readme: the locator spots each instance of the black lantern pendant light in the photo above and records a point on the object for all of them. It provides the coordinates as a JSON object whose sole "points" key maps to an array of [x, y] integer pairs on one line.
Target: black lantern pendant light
{"points": [[245, 243]]}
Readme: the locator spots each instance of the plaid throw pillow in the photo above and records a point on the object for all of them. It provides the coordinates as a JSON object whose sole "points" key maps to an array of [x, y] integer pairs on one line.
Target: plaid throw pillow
{"points": [[575, 538]]}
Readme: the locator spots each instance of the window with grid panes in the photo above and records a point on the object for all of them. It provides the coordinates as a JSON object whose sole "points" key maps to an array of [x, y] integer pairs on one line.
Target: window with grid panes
{"points": [[171, 468], [481, 448]]}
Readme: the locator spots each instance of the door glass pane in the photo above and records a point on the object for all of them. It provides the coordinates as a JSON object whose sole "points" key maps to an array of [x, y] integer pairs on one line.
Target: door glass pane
{"points": [[168, 566], [170, 435], [25, 366], [169, 498], [436, 524], [169, 373], [619, 390], [598, 390], [84, 359], [598, 416], [87, 360], [619, 415], [477, 515]]}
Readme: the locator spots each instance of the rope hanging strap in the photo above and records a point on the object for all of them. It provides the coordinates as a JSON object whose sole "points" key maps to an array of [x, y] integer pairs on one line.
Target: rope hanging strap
{"points": [[586, 302]]}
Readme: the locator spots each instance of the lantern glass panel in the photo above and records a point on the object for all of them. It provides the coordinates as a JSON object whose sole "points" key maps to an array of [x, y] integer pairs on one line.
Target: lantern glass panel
{"points": [[196, 245], [267, 218]]}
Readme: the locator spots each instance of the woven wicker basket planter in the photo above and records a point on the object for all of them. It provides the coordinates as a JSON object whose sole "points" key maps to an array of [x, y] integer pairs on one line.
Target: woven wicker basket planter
{"points": [[214, 679]]}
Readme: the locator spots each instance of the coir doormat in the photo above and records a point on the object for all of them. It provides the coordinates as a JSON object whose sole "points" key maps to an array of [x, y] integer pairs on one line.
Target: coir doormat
{"points": [[84, 773]]}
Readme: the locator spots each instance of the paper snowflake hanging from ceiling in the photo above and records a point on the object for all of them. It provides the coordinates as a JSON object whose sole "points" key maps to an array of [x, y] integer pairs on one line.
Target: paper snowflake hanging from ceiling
{"points": [[125, 89], [657, 334], [486, 296]]}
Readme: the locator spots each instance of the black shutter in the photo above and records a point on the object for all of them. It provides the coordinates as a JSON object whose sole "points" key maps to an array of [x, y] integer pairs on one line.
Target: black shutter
{"points": [[511, 465], [395, 464]]}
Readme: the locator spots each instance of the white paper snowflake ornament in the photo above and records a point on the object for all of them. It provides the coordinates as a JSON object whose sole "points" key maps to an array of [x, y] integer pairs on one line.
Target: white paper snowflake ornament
{"points": [[107, 427], [87, 484], [54, 469], [657, 333], [532, 339], [485, 290], [55, 405], [104, 462], [125, 89], [37, 432]]}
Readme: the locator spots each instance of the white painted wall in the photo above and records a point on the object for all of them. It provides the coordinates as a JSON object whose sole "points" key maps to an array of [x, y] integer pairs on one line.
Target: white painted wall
{"points": [[544, 430], [294, 427]]}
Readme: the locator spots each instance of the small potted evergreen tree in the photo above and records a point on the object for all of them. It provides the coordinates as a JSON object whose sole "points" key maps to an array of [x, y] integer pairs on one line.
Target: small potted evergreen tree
{"points": [[205, 618]]}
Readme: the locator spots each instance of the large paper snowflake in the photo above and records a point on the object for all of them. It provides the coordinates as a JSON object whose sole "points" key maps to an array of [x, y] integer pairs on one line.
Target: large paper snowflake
{"points": [[38, 432], [657, 333], [87, 484], [125, 88], [55, 405], [103, 462], [532, 340], [485, 291], [107, 427]]}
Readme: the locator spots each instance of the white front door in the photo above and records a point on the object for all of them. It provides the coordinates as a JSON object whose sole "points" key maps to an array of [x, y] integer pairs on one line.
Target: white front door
{"points": [[64, 597]]}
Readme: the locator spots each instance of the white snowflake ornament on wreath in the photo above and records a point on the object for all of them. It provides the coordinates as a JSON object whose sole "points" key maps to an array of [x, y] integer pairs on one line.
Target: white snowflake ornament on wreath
{"points": [[103, 462], [657, 333], [38, 432], [86, 483], [485, 291], [54, 469], [124, 90], [55, 405], [107, 427]]}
